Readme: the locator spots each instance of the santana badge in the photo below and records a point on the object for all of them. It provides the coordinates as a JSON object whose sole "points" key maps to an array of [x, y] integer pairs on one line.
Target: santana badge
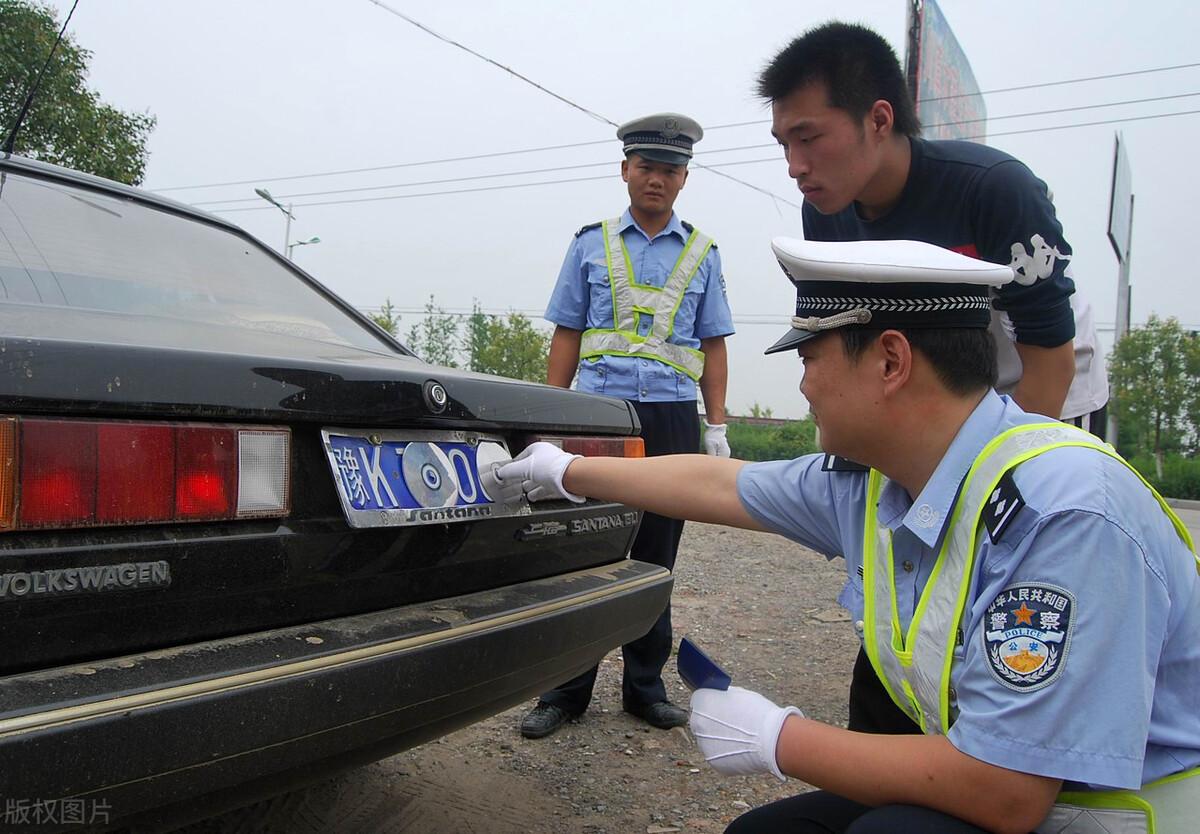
{"points": [[1026, 634]]}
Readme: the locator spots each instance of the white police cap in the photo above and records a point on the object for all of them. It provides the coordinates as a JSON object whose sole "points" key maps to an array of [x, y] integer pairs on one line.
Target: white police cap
{"points": [[882, 284], [663, 137]]}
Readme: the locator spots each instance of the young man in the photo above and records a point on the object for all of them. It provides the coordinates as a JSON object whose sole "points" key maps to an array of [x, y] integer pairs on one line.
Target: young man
{"points": [[640, 311], [848, 127], [1028, 603]]}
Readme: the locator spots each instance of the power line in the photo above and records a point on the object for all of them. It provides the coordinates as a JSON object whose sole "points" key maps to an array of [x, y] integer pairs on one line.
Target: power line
{"points": [[413, 184], [388, 167], [1067, 81], [706, 167], [553, 94], [752, 319], [570, 145], [760, 146], [1058, 110], [485, 58]]}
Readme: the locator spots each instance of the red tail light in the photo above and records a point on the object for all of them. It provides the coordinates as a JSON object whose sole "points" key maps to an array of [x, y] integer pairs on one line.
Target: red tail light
{"points": [[206, 472], [58, 473], [612, 447], [82, 473]]}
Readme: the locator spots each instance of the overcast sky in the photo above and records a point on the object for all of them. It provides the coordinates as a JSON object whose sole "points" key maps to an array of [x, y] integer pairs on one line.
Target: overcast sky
{"points": [[262, 91]]}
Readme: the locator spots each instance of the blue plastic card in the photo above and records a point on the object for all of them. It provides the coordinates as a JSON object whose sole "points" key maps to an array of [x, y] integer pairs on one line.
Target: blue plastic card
{"points": [[697, 669]]}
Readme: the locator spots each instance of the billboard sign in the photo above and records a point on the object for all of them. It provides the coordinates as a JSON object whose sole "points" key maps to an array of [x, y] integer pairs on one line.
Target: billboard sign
{"points": [[949, 103], [1120, 203]]}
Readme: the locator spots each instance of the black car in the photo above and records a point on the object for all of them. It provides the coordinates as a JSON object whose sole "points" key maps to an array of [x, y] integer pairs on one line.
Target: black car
{"points": [[243, 541]]}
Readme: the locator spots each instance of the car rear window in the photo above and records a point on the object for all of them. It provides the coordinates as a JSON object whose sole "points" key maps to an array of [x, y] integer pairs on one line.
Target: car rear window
{"points": [[72, 247]]}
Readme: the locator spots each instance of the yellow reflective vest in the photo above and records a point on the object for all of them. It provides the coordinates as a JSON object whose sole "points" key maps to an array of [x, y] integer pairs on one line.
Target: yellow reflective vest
{"points": [[915, 667], [632, 300]]}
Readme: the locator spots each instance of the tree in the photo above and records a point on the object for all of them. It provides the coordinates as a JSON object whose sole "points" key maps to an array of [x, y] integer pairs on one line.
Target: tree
{"points": [[67, 124], [387, 318], [436, 338], [1154, 374], [509, 346], [503, 345]]}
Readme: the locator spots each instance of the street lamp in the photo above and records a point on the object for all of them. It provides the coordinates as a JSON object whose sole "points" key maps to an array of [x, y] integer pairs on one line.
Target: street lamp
{"points": [[287, 229], [296, 243]]}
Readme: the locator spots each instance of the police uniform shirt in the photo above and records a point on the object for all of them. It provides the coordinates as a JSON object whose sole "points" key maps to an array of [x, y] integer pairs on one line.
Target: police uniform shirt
{"points": [[582, 300], [980, 201], [1090, 559]]}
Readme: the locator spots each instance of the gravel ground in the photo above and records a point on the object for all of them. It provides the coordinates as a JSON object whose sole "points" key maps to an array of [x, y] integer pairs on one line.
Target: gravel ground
{"points": [[761, 606]]}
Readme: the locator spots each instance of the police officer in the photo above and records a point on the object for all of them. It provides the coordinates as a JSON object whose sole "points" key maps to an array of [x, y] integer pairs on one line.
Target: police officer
{"points": [[640, 312], [1026, 600]]}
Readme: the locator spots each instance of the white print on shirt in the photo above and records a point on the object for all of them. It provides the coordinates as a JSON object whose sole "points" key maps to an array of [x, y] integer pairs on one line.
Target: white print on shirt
{"points": [[1040, 264]]}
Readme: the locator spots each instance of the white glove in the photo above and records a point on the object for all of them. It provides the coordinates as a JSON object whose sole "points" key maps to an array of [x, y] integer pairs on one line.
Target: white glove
{"points": [[714, 440], [509, 491], [737, 730], [538, 471]]}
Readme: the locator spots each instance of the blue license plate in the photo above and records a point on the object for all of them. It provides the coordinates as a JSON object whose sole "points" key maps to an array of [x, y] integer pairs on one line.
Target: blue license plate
{"points": [[396, 478]]}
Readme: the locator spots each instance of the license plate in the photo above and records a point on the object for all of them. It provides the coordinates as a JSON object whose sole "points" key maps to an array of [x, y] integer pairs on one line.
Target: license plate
{"points": [[389, 478]]}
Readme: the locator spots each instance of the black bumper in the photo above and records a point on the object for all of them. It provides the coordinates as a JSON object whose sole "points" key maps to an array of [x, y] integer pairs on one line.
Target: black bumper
{"points": [[250, 715]]}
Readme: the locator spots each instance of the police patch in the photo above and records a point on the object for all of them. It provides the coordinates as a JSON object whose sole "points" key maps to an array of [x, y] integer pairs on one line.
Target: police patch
{"points": [[1026, 634]]}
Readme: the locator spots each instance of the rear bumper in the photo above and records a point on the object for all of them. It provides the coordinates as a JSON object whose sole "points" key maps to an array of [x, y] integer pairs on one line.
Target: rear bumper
{"points": [[159, 729]]}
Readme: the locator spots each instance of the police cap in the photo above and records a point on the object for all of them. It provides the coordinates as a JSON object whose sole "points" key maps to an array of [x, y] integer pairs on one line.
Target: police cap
{"points": [[882, 284], [663, 137]]}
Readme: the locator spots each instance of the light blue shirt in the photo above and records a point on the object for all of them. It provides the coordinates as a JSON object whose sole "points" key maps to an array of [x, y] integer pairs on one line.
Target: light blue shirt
{"points": [[582, 300], [1123, 705]]}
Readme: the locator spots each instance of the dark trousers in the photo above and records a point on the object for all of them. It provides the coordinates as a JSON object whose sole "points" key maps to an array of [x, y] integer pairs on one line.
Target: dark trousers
{"points": [[1096, 422], [667, 429], [826, 813]]}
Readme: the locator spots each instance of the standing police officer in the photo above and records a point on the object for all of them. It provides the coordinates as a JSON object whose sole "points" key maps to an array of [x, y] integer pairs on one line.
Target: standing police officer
{"points": [[1027, 601], [640, 311]]}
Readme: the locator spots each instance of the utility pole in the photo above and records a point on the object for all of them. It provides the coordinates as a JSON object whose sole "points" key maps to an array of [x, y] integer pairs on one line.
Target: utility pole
{"points": [[1120, 235], [287, 226]]}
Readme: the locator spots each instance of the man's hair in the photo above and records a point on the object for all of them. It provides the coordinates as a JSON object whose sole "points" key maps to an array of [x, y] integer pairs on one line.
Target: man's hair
{"points": [[964, 358], [856, 65]]}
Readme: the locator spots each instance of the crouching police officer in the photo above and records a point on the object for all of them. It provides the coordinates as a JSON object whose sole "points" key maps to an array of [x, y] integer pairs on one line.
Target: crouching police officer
{"points": [[1024, 597]]}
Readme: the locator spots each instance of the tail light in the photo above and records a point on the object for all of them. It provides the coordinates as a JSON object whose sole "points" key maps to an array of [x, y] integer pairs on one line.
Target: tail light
{"points": [[93, 473], [613, 447]]}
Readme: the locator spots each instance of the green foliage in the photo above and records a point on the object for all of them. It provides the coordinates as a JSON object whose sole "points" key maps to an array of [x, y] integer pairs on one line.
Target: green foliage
{"points": [[388, 318], [1180, 476], [435, 338], [509, 346], [67, 124], [757, 410], [1154, 375], [758, 442], [503, 345]]}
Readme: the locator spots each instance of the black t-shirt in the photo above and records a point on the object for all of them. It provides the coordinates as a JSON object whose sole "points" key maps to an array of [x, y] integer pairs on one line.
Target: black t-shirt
{"points": [[984, 203]]}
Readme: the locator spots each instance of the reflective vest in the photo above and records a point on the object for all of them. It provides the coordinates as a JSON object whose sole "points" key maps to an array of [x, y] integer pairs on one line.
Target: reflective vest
{"points": [[915, 667], [632, 300]]}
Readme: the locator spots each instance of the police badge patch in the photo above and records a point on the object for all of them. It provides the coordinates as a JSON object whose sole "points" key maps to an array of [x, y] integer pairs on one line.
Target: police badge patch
{"points": [[1026, 634]]}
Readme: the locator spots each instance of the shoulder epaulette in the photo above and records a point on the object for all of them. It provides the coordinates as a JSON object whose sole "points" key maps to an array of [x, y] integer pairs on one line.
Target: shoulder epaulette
{"points": [[595, 225], [1002, 507], [833, 463], [689, 228]]}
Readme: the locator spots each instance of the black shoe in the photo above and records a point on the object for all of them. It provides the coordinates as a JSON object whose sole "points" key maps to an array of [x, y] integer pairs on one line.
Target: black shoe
{"points": [[543, 720], [663, 715]]}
